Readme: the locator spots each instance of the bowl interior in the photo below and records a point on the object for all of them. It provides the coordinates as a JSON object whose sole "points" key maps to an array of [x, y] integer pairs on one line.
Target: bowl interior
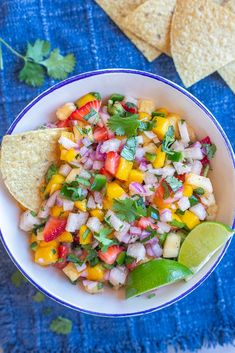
{"points": [[133, 84]]}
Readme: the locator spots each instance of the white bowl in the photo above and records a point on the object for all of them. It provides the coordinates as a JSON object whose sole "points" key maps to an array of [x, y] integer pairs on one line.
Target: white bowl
{"points": [[137, 84]]}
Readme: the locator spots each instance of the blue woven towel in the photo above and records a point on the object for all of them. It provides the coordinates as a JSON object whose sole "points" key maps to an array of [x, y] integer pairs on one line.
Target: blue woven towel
{"points": [[205, 316]]}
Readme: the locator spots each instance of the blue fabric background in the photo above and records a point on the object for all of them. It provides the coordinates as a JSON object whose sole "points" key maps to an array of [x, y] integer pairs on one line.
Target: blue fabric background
{"points": [[205, 316]]}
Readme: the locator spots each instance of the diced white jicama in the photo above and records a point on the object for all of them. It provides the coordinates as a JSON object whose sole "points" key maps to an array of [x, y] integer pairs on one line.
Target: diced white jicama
{"points": [[65, 111], [199, 181], [72, 175], [64, 169], [156, 171], [68, 205], [151, 135], [194, 153], [118, 275], [163, 227], [94, 224], [165, 215], [76, 220], [196, 167], [211, 212], [66, 143], [199, 211], [115, 222], [168, 171], [120, 235], [93, 287], [110, 145], [182, 168], [208, 200], [183, 203], [139, 153], [27, 221], [150, 148], [91, 202], [71, 272], [44, 211], [149, 178], [171, 246], [183, 129], [136, 250], [140, 140], [146, 106]]}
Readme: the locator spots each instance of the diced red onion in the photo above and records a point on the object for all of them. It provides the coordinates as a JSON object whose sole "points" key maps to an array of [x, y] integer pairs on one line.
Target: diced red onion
{"points": [[75, 164], [111, 145], [139, 153], [92, 155], [178, 146], [27, 221], [168, 171], [44, 211], [137, 188], [133, 238], [50, 125], [80, 268], [163, 227], [76, 220], [94, 244], [86, 141], [94, 224], [154, 250], [98, 197], [88, 164], [143, 165], [84, 151], [104, 115], [100, 122], [106, 275], [91, 202], [121, 233], [150, 189], [84, 174], [179, 193], [165, 215], [64, 169], [182, 168], [157, 171], [74, 122], [92, 287], [116, 223], [149, 178], [66, 143], [136, 250], [52, 199], [59, 201], [99, 156], [183, 203], [118, 275], [97, 165], [194, 153], [68, 205], [199, 211], [135, 230]]}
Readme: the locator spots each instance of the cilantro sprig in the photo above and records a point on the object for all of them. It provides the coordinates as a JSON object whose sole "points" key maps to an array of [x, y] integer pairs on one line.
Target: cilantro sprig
{"points": [[61, 325], [124, 125], [103, 240], [129, 209], [39, 60]]}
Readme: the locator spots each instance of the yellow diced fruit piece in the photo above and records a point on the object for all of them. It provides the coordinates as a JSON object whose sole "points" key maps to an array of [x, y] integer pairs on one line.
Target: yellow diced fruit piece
{"points": [[45, 256], [162, 110], [65, 237], [160, 158], [54, 184], [65, 111], [72, 175], [114, 191], [124, 169], [190, 219], [84, 240], [176, 218], [56, 211], [146, 105], [161, 126], [95, 273], [71, 272], [54, 188], [151, 148], [81, 205], [188, 190], [84, 100], [174, 119], [107, 204], [77, 133], [144, 116], [68, 155], [98, 214], [45, 244], [33, 239], [136, 176], [68, 135]]}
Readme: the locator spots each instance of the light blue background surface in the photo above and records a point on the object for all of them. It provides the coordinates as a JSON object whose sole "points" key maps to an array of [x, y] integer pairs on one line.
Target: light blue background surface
{"points": [[207, 315]]}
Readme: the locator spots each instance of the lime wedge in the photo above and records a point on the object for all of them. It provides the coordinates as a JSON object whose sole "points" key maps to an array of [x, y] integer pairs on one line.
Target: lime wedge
{"points": [[154, 274], [202, 242]]}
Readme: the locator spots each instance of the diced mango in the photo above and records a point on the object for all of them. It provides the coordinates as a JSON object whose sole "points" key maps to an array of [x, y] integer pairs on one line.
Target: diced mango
{"points": [[124, 169], [160, 158], [174, 119], [81, 205], [71, 272], [68, 155], [44, 244], [88, 238], [54, 184], [84, 100], [97, 213], [161, 126], [72, 175], [45, 256], [65, 111], [68, 135], [56, 211], [107, 204], [95, 273], [114, 191], [188, 190], [162, 110], [146, 105], [65, 237], [144, 116], [33, 239], [190, 219], [136, 176]]}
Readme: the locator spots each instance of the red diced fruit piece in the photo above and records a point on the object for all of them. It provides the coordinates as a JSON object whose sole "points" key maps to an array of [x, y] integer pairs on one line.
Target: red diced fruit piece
{"points": [[111, 162], [53, 228], [63, 123], [181, 177], [205, 161], [63, 251], [131, 266], [130, 107], [109, 257], [145, 222], [206, 140], [103, 171], [80, 114], [100, 134]]}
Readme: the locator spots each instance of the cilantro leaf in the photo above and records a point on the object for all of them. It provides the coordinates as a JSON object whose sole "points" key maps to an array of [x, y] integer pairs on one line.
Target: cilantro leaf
{"points": [[177, 224], [128, 209], [102, 238], [210, 150], [61, 325], [74, 259], [38, 297], [92, 256], [174, 183], [72, 191], [59, 66], [32, 73], [124, 125], [50, 172], [17, 279], [168, 140], [38, 50], [129, 149]]}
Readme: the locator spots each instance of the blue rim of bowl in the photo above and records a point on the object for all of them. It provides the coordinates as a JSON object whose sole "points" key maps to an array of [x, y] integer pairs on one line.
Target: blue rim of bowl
{"points": [[194, 100]]}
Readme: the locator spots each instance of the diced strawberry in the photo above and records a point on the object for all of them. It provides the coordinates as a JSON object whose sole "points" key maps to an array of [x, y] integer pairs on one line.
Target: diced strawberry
{"points": [[111, 162], [109, 257], [181, 177], [81, 114], [103, 171], [100, 134], [130, 107], [63, 123], [53, 228], [145, 222], [131, 266], [205, 161], [206, 140], [63, 251]]}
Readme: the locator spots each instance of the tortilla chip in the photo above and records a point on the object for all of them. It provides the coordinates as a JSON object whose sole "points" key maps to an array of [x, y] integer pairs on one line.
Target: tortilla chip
{"points": [[228, 72], [25, 159], [116, 10], [151, 21], [202, 39]]}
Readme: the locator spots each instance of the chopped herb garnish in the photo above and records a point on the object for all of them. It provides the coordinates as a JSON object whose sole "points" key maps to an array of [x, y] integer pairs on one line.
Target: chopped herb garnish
{"points": [[168, 140], [117, 97], [38, 227], [179, 212], [107, 220], [128, 209], [34, 245], [206, 170], [175, 156], [85, 234], [34, 214], [124, 125], [92, 256], [210, 150], [83, 181], [53, 251], [163, 115], [199, 191], [17, 279], [38, 297], [72, 191], [151, 295], [166, 193], [52, 170], [162, 238], [152, 235], [96, 95], [129, 260], [100, 285], [107, 266], [73, 258], [104, 240], [61, 325], [177, 224], [174, 183], [121, 258], [129, 149], [193, 200]]}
